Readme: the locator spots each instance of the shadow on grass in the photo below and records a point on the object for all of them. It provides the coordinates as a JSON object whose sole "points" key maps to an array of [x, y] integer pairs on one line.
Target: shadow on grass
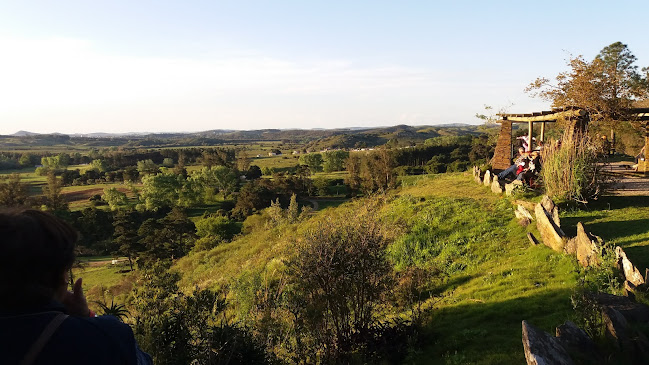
{"points": [[450, 285], [490, 333], [619, 202], [613, 230]]}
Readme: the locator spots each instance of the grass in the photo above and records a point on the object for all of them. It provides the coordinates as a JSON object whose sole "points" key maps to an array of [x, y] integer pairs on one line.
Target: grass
{"points": [[104, 282], [492, 278], [620, 220]]}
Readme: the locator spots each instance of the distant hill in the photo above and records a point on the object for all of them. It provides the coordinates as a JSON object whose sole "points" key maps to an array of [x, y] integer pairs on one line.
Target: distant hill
{"points": [[311, 139], [24, 133]]}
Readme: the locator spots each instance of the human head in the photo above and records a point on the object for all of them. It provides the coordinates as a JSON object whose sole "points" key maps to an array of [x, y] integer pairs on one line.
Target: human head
{"points": [[36, 250]]}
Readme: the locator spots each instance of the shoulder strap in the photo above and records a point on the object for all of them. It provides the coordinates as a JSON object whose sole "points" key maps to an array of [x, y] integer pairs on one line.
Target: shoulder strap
{"points": [[45, 336]]}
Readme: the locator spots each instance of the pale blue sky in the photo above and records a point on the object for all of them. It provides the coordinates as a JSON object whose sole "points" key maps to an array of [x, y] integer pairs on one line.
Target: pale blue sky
{"points": [[122, 66]]}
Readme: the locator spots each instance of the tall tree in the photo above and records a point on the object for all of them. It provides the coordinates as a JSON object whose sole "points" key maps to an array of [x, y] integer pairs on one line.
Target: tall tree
{"points": [[604, 86], [125, 226]]}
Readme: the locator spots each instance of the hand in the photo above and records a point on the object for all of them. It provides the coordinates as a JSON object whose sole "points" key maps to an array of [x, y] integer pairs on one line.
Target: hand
{"points": [[75, 302]]}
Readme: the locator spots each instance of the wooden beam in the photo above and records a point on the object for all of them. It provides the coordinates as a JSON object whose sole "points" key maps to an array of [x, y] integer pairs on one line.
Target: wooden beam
{"points": [[542, 139], [548, 117]]}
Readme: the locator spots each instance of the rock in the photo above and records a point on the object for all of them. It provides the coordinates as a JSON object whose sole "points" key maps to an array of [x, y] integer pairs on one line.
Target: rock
{"points": [[632, 311], [616, 327], [476, 175], [495, 185], [543, 349], [631, 273], [571, 246], [509, 188], [487, 178], [527, 205], [524, 222], [523, 212], [551, 235], [578, 344], [532, 239], [587, 247], [629, 290], [634, 345], [551, 209]]}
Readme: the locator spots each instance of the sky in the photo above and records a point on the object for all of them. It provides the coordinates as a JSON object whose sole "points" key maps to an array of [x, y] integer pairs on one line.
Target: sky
{"points": [[184, 66]]}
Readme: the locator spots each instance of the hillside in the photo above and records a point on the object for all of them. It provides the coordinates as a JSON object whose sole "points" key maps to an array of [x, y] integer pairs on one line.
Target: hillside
{"points": [[315, 139], [485, 280]]}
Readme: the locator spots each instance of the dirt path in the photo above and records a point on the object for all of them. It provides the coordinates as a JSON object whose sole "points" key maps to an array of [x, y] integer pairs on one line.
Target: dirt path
{"points": [[630, 183]]}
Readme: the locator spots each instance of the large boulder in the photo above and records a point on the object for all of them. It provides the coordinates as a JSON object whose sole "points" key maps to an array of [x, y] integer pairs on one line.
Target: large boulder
{"points": [[551, 233], [631, 273], [543, 349], [487, 178]]}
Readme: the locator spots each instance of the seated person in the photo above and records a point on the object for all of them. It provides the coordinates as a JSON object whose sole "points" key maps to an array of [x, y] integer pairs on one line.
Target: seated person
{"points": [[522, 155], [531, 167], [41, 322]]}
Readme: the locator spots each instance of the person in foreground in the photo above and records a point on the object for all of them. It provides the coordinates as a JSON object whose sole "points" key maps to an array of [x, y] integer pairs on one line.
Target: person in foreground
{"points": [[41, 322]]}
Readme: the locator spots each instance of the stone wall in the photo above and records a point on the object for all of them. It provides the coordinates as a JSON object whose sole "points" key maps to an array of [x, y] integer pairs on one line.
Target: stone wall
{"points": [[620, 314]]}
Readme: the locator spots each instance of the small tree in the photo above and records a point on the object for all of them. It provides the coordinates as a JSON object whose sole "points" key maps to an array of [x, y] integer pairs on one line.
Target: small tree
{"points": [[114, 198], [54, 200], [13, 192], [313, 161], [147, 167], [340, 275]]}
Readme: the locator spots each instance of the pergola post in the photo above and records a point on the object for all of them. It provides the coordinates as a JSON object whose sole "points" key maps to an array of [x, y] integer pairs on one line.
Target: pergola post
{"points": [[542, 138], [644, 165], [529, 135]]}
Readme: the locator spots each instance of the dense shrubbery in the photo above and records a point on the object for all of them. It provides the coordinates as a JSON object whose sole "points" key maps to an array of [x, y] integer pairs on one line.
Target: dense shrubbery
{"points": [[176, 328]]}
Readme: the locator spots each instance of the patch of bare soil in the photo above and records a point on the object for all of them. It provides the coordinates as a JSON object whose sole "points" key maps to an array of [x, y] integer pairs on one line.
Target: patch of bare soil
{"points": [[73, 196]]}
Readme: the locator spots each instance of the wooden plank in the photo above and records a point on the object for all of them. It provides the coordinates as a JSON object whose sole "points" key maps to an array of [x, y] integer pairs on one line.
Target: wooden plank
{"points": [[548, 117]]}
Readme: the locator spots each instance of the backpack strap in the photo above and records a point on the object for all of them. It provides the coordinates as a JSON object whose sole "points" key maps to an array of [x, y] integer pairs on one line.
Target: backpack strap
{"points": [[42, 340]]}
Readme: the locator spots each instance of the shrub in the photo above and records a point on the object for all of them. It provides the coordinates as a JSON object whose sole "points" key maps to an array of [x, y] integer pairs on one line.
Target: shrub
{"points": [[181, 329], [340, 275]]}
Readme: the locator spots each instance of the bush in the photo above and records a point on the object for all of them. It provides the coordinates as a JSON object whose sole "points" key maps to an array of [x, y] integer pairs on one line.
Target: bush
{"points": [[339, 275], [181, 329]]}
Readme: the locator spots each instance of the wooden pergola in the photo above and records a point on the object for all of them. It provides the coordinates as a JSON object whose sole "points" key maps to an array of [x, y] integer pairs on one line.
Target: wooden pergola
{"points": [[503, 153]]}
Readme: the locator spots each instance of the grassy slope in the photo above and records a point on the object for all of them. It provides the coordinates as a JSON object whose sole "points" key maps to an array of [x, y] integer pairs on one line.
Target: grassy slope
{"points": [[478, 318], [477, 310], [620, 220]]}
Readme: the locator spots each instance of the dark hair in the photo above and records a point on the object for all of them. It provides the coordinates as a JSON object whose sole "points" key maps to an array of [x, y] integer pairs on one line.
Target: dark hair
{"points": [[36, 249]]}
